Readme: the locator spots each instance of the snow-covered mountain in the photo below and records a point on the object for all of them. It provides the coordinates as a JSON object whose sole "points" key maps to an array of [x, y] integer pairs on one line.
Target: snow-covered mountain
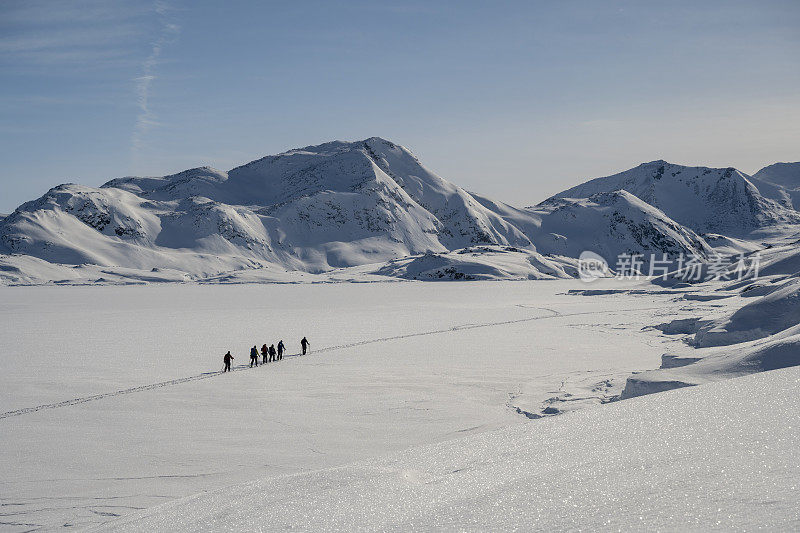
{"points": [[335, 205], [608, 224], [345, 204], [783, 174], [707, 200], [612, 224], [780, 182]]}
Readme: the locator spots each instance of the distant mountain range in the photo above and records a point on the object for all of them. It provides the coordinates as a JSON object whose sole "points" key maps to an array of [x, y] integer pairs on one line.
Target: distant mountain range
{"points": [[372, 207]]}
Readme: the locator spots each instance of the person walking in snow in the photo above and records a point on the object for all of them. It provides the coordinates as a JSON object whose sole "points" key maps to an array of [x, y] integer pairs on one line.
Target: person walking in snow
{"points": [[253, 356], [281, 349], [304, 343], [264, 354], [272, 353], [227, 360]]}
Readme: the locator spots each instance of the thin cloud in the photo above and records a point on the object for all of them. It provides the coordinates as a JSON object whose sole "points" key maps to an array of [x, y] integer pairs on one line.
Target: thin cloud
{"points": [[72, 34], [146, 119], [37, 13]]}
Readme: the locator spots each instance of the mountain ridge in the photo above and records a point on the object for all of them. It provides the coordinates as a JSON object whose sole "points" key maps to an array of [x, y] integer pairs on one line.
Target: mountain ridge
{"points": [[345, 204], [781, 182], [705, 199]]}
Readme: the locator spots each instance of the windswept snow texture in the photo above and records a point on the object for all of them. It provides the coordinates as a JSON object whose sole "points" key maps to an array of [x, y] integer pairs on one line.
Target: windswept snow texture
{"points": [[721, 457], [707, 200]]}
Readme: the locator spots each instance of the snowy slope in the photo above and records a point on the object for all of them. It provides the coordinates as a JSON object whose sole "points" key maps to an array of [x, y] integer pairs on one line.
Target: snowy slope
{"points": [[337, 190], [372, 167], [783, 260], [728, 463], [611, 224], [781, 182], [715, 200], [74, 224], [202, 181], [29, 270], [715, 364], [782, 174], [765, 315], [608, 224]]}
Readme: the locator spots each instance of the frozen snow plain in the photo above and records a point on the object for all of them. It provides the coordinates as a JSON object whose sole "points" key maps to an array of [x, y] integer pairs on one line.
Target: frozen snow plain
{"points": [[648, 464], [111, 403]]}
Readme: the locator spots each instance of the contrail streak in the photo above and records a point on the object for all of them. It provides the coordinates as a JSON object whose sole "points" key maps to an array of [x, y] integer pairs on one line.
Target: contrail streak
{"points": [[146, 118]]}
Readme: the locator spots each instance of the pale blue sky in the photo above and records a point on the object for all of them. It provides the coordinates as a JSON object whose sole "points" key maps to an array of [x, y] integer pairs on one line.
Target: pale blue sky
{"points": [[516, 100]]}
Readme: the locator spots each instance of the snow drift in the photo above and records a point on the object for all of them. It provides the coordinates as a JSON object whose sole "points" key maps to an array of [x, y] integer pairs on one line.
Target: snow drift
{"points": [[767, 315], [763, 334], [778, 351]]}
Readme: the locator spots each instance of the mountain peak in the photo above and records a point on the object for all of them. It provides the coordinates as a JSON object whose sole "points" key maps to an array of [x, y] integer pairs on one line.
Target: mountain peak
{"points": [[333, 147], [783, 174], [379, 140], [335, 204], [345, 203], [716, 200]]}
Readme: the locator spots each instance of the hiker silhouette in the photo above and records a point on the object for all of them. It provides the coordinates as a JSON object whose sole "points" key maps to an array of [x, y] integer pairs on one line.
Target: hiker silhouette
{"points": [[253, 356]]}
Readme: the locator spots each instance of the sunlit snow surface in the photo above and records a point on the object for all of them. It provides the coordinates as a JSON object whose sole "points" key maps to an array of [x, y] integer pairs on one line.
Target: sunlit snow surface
{"points": [[717, 457], [111, 402]]}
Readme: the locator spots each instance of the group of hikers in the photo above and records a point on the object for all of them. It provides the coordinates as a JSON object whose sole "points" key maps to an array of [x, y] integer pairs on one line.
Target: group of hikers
{"points": [[269, 354]]}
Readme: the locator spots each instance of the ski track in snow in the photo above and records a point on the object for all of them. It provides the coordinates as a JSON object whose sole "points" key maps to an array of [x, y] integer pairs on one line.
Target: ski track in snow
{"points": [[206, 375]]}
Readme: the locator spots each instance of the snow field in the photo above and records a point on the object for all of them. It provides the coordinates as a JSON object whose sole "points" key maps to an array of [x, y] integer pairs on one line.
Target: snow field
{"points": [[413, 364], [726, 463]]}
